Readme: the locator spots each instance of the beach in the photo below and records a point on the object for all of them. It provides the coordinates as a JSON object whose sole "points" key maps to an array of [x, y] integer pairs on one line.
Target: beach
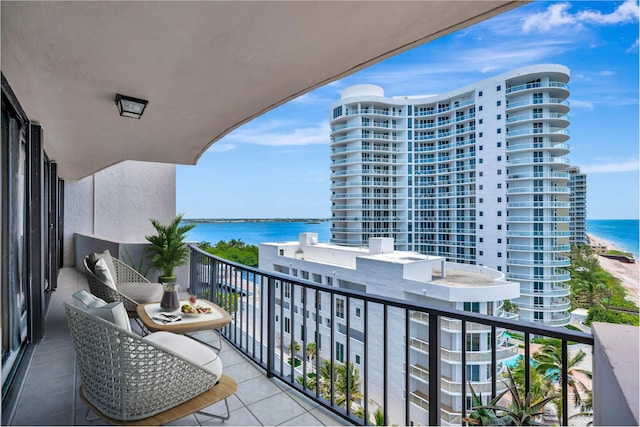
{"points": [[629, 274]]}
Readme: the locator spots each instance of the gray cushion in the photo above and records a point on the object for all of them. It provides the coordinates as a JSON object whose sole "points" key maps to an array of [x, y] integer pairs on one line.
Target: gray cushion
{"points": [[102, 272], [85, 300], [191, 350], [113, 312], [106, 255], [141, 292]]}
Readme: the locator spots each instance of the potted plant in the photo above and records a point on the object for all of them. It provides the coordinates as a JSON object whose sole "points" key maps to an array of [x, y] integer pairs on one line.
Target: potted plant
{"points": [[168, 248]]}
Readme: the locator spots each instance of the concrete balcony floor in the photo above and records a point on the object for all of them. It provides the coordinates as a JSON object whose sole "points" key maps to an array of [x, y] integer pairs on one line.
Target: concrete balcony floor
{"points": [[49, 395]]}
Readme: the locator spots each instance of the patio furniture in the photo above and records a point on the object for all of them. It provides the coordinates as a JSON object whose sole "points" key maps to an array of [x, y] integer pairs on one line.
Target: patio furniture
{"points": [[126, 284], [130, 380], [149, 315]]}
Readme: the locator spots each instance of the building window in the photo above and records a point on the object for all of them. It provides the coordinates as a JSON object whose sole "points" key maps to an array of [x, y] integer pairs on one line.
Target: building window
{"points": [[499, 185], [294, 272], [499, 88], [498, 103], [499, 199], [499, 130], [329, 280], [499, 226], [303, 336], [538, 315], [472, 306], [499, 170], [337, 112], [481, 239], [481, 226], [481, 174], [287, 290], [499, 240], [481, 213], [340, 352], [499, 254], [357, 359], [499, 159], [479, 134], [287, 325], [480, 148], [473, 342], [340, 308], [480, 161], [481, 186], [481, 253], [499, 117], [480, 108], [499, 268], [499, 144], [305, 275], [480, 121], [481, 200], [281, 252], [480, 93], [358, 312], [499, 213]]}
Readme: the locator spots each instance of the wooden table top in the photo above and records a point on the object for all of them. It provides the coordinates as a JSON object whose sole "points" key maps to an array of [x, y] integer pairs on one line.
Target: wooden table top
{"points": [[187, 324]]}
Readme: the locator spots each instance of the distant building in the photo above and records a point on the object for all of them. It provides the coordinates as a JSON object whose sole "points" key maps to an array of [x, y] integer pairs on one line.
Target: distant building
{"points": [[477, 175], [381, 270], [578, 206]]}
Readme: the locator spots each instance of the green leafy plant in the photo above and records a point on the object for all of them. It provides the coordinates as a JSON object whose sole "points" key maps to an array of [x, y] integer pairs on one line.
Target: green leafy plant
{"points": [[522, 411], [168, 247]]}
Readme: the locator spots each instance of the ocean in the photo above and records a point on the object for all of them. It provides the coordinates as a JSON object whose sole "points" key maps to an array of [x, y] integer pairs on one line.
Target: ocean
{"points": [[621, 232]]}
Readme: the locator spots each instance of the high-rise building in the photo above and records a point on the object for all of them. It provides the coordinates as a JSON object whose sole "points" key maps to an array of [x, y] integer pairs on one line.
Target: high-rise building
{"points": [[578, 206], [476, 175], [382, 271]]}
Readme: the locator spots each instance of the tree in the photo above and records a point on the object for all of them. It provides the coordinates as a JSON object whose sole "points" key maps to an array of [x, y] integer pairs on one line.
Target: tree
{"points": [[549, 363], [294, 348], [340, 375], [310, 352]]}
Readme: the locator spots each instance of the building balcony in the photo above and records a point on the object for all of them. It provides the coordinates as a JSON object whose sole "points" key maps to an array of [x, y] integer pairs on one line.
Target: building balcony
{"points": [[539, 175], [559, 104], [538, 160], [538, 85], [539, 219], [556, 149]]}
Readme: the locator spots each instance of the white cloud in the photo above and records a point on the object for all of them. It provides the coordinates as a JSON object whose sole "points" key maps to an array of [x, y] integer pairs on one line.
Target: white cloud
{"points": [[558, 15], [582, 104], [634, 47], [221, 146], [278, 133], [629, 166]]}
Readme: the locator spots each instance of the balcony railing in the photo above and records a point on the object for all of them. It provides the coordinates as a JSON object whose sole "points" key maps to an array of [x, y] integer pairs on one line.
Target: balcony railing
{"points": [[375, 333]]}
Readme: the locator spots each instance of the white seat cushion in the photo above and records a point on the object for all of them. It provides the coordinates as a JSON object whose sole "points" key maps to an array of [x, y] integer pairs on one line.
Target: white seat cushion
{"points": [[189, 349], [141, 292]]}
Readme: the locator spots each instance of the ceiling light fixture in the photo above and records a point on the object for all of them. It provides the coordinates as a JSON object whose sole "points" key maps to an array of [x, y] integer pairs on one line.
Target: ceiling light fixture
{"points": [[130, 107]]}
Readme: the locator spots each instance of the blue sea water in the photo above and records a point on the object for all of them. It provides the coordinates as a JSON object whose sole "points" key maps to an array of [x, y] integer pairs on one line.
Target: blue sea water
{"points": [[621, 232], [255, 232]]}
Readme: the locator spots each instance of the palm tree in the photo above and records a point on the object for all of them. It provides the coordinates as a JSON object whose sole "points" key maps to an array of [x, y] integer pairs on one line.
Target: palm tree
{"points": [[294, 348], [310, 352], [539, 383], [340, 384], [310, 382], [549, 360], [340, 374]]}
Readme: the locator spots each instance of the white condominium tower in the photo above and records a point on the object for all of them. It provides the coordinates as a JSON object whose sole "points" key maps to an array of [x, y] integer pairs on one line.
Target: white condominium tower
{"points": [[476, 175], [578, 207]]}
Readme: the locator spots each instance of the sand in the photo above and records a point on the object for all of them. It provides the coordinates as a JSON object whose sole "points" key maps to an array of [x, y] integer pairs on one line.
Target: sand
{"points": [[629, 274]]}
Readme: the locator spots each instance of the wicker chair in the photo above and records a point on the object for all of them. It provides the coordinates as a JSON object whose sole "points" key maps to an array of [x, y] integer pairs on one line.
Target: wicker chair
{"points": [[130, 380], [124, 274]]}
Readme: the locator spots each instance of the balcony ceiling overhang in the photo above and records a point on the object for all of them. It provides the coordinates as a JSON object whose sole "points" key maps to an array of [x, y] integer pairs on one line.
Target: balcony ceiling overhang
{"points": [[205, 67]]}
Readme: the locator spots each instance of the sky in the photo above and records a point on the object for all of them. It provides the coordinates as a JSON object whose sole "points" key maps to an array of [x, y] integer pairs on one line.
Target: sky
{"points": [[277, 166]]}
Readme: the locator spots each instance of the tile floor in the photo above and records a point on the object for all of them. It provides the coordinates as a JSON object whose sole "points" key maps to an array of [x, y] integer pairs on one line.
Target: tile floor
{"points": [[50, 392]]}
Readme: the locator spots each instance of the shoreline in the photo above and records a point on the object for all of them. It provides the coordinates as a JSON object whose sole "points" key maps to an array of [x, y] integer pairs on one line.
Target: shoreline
{"points": [[628, 274]]}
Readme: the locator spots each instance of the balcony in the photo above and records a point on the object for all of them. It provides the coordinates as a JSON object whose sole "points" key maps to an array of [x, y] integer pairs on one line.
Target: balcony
{"points": [[50, 392]]}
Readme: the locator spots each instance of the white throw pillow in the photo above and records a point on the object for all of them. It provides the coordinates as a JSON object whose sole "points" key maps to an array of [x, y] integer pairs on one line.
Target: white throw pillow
{"points": [[113, 312], [85, 300], [103, 273]]}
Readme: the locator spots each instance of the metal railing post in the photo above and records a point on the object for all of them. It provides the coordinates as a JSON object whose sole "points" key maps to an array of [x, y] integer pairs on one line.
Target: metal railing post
{"points": [[434, 369], [271, 326]]}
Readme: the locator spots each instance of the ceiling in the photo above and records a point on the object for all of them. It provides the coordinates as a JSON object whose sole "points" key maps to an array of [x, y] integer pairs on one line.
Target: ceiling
{"points": [[206, 67]]}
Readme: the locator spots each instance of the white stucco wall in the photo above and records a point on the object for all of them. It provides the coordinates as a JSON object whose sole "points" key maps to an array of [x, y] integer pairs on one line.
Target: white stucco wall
{"points": [[116, 203]]}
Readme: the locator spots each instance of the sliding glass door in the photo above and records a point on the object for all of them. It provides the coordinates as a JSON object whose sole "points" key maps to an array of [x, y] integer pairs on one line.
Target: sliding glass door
{"points": [[14, 236]]}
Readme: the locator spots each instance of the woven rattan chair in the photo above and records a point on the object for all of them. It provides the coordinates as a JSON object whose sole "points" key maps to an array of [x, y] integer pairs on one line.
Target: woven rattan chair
{"points": [[127, 379], [124, 274]]}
